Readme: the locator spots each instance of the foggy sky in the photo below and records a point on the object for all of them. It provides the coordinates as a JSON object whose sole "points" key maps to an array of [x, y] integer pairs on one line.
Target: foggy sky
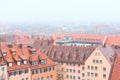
{"points": [[56, 11]]}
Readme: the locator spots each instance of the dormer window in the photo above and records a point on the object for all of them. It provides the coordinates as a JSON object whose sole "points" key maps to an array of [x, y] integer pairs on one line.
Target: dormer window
{"points": [[4, 53], [10, 64], [24, 61], [33, 51], [43, 61], [18, 63], [34, 63], [13, 52]]}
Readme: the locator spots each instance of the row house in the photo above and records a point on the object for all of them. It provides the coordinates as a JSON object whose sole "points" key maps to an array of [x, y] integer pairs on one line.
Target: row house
{"points": [[26, 63], [80, 62]]}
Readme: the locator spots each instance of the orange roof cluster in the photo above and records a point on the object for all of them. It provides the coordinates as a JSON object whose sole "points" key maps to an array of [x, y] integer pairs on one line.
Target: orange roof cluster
{"points": [[24, 39], [113, 40], [116, 68], [17, 55]]}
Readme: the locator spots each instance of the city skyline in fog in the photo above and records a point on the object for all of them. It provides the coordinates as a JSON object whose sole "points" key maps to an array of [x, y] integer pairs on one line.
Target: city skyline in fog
{"points": [[59, 11]]}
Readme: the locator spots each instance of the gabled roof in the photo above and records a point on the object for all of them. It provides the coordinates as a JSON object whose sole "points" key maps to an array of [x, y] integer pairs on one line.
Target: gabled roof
{"points": [[108, 52]]}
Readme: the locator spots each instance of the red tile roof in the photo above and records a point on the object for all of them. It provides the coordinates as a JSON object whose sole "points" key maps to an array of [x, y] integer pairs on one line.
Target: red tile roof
{"points": [[113, 40], [64, 53], [116, 68], [23, 54]]}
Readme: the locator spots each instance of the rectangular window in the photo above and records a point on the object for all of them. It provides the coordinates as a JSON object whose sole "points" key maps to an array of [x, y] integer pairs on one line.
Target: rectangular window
{"points": [[100, 61], [73, 77], [83, 74], [17, 72], [73, 71], [22, 71], [10, 64], [93, 60], [34, 63], [2, 69], [104, 69], [88, 67], [67, 76], [83, 68], [42, 78], [24, 61], [92, 67], [27, 78], [43, 61], [95, 67], [96, 74], [88, 73], [78, 71], [18, 63], [104, 75], [38, 79], [4, 53]]}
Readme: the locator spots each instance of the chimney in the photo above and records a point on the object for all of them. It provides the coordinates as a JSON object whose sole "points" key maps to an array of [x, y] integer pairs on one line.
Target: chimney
{"points": [[104, 41]]}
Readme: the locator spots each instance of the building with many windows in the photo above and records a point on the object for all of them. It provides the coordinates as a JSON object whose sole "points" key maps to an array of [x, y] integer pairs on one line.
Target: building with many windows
{"points": [[80, 62], [25, 63]]}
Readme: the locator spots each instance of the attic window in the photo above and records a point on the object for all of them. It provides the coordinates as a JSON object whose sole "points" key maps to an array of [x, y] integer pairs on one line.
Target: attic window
{"points": [[13, 52], [33, 51], [4, 53], [18, 63], [10, 64], [44, 61], [24, 61], [34, 63]]}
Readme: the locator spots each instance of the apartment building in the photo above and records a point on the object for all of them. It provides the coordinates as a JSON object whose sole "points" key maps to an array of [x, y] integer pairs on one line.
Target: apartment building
{"points": [[99, 64], [25, 63], [42, 68], [80, 62]]}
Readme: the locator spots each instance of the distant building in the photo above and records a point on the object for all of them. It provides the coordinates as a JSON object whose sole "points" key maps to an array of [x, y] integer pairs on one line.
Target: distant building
{"points": [[85, 39], [79, 39]]}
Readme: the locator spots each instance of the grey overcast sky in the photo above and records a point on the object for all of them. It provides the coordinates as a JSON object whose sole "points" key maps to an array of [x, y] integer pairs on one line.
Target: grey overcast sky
{"points": [[46, 11]]}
